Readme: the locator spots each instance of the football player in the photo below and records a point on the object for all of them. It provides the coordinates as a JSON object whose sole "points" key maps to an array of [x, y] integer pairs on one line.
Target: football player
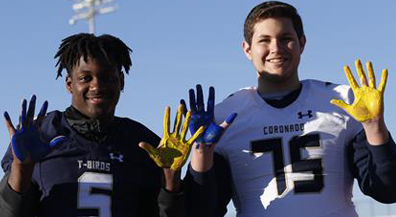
{"points": [[290, 152], [85, 161]]}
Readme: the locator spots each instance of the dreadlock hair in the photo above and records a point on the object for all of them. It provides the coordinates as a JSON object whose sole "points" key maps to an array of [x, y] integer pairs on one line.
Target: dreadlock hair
{"points": [[87, 45]]}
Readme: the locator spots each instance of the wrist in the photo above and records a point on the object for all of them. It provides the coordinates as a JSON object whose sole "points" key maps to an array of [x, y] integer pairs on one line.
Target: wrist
{"points": [[20, 176], [202, 158], [376, 131], [172, 180]]}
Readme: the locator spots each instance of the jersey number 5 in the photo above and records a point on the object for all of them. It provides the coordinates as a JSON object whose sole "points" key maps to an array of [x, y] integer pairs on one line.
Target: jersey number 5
{"points": [[298, 164], [94, 194]]}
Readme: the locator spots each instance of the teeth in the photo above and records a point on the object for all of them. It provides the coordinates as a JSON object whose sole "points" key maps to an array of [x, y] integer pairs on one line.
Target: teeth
{"points": [[278, 60]]}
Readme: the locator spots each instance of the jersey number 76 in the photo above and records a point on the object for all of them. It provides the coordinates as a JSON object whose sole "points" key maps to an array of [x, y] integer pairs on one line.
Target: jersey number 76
{"points": [[298, 164]]}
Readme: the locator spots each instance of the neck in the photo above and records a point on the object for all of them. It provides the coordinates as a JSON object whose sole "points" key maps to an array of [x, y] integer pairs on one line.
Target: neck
{"points": [[78, 114], [266, 85]]}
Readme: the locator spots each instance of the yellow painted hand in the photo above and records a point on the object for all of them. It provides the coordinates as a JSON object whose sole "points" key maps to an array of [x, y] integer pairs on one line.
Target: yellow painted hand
{"points": [[368, 103], [173, 150]]}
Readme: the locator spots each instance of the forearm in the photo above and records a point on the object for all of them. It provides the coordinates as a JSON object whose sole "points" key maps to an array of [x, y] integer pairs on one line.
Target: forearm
{"points": [[171, 198], [171, 204], [20, 176], [172, 180], [376, 131], [202, 158], [374, 167], [13, 204], [208, 193], [383, 163]]}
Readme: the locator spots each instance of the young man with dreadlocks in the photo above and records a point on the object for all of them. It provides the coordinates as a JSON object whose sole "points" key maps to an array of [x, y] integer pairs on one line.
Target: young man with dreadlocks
{"points": [[85, 161], [297, 145]]}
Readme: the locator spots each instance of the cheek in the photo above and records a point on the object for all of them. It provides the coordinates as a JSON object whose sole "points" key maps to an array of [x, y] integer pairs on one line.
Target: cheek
{"points": [[79, 91], [294, 47], [259, 52]]}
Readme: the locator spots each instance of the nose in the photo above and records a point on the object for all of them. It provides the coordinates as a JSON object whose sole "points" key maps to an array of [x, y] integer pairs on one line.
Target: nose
{"points": [[275, 46], [96, 84]]}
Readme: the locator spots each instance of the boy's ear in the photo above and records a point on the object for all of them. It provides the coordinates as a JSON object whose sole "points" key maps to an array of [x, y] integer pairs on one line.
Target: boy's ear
{"points": [[303, 41], [246, 50], [68, 82]]}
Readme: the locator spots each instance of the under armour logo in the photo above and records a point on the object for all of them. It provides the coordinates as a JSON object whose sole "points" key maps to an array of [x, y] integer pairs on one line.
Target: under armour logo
{"points": [[308, 114], [118, 157]]}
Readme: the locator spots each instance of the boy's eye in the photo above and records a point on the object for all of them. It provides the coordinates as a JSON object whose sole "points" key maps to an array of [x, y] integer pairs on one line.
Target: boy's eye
{"points": [[265, 40], [287, 38], [84, 78], [110, 78]]}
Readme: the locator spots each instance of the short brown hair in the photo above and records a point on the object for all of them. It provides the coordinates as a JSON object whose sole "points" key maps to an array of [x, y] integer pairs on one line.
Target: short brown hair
{"points": [[272, 9]]}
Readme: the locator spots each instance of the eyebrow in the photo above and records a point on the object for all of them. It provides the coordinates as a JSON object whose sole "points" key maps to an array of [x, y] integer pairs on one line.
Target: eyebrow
{"points": [[85, 70], [269, 36]]}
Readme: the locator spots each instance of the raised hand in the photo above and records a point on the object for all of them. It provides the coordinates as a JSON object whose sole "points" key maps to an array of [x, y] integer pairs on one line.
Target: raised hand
{"points": [[369, 100], [200, 117], [27, 145], [173, 150]]}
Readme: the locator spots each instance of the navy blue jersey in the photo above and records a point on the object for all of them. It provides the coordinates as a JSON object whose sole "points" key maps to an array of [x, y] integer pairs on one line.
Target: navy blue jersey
{"points": [[85, 178]]}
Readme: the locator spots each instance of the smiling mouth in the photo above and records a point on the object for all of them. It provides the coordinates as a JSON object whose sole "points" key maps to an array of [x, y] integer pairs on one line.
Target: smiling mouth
{"points": [[97, 99], [277, 60]]}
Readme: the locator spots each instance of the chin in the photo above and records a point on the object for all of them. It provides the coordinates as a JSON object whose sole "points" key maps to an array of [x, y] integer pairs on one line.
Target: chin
{"points": [[278, 78], [100, 114]]}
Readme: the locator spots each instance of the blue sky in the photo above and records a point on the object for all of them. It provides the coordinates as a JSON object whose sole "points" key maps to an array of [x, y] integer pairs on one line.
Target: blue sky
{"points": [[178, 44]]}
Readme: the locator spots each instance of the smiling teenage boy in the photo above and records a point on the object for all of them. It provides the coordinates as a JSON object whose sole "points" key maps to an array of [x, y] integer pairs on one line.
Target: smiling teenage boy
{"points": [[92, 165], [290, 152]]}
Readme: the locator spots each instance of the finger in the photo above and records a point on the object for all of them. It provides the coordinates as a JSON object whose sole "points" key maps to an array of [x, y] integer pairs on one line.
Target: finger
{"points": [[9, 125], [384, 79], [371, 75], [196, 135], [200, 103], [360, 71], [30, 111], [42, 113], [178, 121], [166, 121], [228, 121], [22, 117], [350, 78], [185, 126], [211, 100], [182, 102], [340, 104], [148, 148], [57, 141], [193, 104]]}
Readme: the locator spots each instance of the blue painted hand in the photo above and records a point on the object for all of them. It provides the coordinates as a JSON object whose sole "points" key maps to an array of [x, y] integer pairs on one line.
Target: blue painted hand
{"points": [[200, 117], [27, 145]]}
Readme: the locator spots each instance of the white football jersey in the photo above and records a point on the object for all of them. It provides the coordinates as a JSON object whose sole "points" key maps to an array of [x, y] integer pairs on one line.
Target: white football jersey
{"points": [[290, 161]]}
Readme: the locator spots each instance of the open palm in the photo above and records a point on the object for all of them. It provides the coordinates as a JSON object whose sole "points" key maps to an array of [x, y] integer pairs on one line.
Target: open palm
{"points": [[27, 144], [368, 103], [174, 149]]}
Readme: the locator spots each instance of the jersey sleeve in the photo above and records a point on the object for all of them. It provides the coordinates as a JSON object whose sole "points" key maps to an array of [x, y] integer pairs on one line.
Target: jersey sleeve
{"points": [[171, 204], [374, 167], [208, 193], [13, 204]]}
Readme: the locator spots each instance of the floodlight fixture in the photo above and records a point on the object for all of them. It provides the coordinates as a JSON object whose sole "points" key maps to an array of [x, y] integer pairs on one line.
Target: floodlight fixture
{"points": [[88, 9]]}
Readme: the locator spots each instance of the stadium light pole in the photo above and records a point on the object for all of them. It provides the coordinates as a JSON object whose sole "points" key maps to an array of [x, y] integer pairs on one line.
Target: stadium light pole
{"points": [[88, 9]]}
